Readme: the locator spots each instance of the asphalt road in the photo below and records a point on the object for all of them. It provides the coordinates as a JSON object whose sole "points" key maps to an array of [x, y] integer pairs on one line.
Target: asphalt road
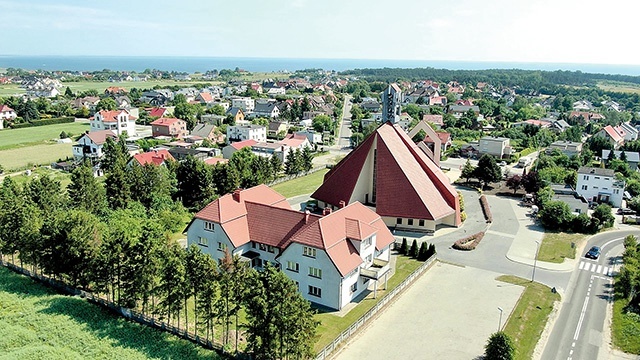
{"points": [[578, 330]]}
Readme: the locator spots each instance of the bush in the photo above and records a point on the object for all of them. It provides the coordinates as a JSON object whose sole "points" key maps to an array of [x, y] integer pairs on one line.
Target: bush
{"points": [[499, 347], [556, 215], [485, 209], [43, 122], [63, 135], [468, 243], [603, 213], [432, 250], [423, 252], [413, 252], [463, 216], [404, 249], [581, 223]]}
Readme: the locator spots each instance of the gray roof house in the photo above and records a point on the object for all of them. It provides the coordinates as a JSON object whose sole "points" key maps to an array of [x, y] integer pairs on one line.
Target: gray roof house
{"points": [[633, 158]]}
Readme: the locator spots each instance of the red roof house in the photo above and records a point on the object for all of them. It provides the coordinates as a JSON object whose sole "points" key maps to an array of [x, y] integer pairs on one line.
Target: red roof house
{"points": [[158, 112], [155, 157], [388, 171], [169, 127], [609, 132]]}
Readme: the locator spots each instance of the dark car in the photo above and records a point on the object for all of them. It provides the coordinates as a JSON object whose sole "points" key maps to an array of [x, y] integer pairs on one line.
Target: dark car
{"points": [[593, 253], [625, 211]]}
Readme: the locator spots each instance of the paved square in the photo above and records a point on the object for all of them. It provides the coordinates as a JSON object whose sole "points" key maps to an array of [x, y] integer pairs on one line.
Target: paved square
{"points": [[448, 313]]}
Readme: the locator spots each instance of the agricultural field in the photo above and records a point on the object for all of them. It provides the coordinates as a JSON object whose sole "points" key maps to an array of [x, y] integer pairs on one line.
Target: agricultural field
{"points": [[617, 86], [37, 323], [27, 157], [14, 89], [14, 138]]}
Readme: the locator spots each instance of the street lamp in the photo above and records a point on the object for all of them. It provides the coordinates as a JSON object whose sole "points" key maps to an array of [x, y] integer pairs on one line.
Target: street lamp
{"points": [[535, 261], [500, 321]]}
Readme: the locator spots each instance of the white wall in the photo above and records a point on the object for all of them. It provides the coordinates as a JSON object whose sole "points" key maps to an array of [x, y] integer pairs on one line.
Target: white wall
{"points": [[197, 230], [591, 185]]}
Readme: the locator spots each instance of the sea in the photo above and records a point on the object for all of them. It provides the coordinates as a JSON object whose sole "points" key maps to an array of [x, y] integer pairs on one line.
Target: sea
{"points": [[202, 64]]}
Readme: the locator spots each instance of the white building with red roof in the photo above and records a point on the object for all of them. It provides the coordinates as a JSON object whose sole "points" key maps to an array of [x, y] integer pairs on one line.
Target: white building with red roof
{"points": [[118, 121], [333, 258], [157, 157], [172, 127], [90, 145], [614, 135], [391, 173], [6, 113]]}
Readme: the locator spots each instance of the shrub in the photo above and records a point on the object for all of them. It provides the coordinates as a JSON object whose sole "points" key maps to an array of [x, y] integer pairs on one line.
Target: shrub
{"points": [[63, 135], [404, 249], [556, 215], [468, 243], [60, 120], [423, 252], [413, 252], [485, 209], [463, 216], [432, 250], [581, 223], [603, 213]]}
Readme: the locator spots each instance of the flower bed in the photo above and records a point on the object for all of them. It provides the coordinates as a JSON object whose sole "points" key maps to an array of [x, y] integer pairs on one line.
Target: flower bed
{"points": [[469, 243], [485, 209]]}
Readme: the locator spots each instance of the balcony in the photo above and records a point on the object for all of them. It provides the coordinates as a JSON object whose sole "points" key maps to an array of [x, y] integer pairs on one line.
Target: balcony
{"points": [[376, 271]]}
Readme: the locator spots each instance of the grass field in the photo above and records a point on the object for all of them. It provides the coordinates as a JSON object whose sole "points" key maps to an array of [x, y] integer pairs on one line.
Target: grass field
{"points": [[302, 185], [617, 86], [556, 247], [26, 157], [13, 138], [625, 328], [37, 323], [63, 177], [331, 325], [526, 323]]}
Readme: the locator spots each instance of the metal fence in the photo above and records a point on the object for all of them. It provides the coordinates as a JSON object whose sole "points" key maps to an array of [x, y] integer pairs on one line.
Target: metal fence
{"points": [[369, 315]]}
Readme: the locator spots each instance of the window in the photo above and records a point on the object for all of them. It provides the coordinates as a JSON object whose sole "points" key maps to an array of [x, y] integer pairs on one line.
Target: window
{"points": [[584, 187], [399, 221], [354, 287], [222, 246], [293, 266], [270, 249], [597, 177], [309, 251], [420, 222], [367, 242], [409, 221], [369, 258], [616, 191], [585, 177], [209, 226], [315, 272], [263, 247], [315, 291], [203, 241], [595, 187]]}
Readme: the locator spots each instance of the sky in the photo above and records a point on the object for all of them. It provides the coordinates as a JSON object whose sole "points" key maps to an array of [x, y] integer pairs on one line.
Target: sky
{"points": [[557, 31]]}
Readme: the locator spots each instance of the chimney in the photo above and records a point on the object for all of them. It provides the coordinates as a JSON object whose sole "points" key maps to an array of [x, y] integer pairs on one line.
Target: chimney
{"points": [[342, 204], [326, 211], [236, 195], [306, 216]]}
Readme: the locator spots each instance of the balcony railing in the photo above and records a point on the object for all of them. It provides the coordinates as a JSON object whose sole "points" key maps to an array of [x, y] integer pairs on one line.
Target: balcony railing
{"points": [[376, 270]]}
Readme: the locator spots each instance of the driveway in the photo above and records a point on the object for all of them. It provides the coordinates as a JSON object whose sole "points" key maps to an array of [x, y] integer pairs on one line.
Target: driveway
{"points": [[431, 320]]}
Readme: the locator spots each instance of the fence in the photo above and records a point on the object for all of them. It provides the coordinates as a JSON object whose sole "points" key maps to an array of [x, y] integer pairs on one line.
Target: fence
{"points": [[291, 177], [369, 315], [122, 311]]}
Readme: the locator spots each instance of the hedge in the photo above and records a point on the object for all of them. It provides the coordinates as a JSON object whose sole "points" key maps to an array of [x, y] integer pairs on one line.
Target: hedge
{"points": [[43, 122], [485, 209], [469, 243]]}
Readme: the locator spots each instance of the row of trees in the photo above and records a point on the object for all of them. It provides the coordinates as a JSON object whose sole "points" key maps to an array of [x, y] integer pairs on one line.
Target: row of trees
{"points": [[119, 246], [627, 284]]}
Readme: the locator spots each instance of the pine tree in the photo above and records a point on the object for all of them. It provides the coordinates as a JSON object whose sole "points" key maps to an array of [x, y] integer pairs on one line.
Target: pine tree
{"points": [[85, 192], [468, 170], [307, 159], [499, 347], [404, 248], [422, 253], [413, 251]]}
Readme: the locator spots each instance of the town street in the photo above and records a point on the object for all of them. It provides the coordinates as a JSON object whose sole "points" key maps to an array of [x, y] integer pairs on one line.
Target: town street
{"points": [[579, 331]]}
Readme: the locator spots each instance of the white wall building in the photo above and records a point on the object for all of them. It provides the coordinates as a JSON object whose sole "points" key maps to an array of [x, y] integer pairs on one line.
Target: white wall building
{"points": [[245, 103], [332, 258], [89, 145], [118, 121], [246, 132], [600, 185]]}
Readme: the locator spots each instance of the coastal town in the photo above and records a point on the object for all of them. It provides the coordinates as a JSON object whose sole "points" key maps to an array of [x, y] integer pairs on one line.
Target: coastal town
{"points": [[358, 205]]}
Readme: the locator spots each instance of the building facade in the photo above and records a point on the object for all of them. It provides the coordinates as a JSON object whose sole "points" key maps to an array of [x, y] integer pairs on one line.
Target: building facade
{"points": [[496, 146], [246, 132], [169, 127], [118, 121], [392, 104], [600, 186]]}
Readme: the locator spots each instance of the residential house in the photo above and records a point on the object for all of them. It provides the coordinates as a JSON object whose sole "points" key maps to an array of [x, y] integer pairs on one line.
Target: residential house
{"points": [[568, 148], [115, 90], [180, 153], [266, 109], [276, 91], [559, 125], [277, 127], [246, 132], [313, 136], [633, 158], [430, 144], [371, 106], [600, 186], [543, 124], [265, 149], [120, 121], [208, 131], [257, 87], [629, 131], [611, 105], [157, 97], [229, 150], [213, 119], [236, 113], [215, 161], [296, 142], [6, 113], [172, 127], [157, 157], [496, 146], [433, 119], [90, 145], [391, 103], [159, 112], [123, 102], [459, 110], [445, 141], [438, 101], [247, 104], [465, 102], [88, 102], [389, 172], [612, 135], [584, 117], [332, 258], [583, 105], [204, 98]]}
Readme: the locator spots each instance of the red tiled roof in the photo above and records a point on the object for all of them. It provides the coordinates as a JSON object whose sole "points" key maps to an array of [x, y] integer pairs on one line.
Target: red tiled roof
{"points": [[112, 115], [294, 141], [213, 161], [157, 112], [100, 137], [242, 144], [4, 108], [165, 121], [436, 119], [156, 157], [206, 97], [408, 183], [613, 134]]}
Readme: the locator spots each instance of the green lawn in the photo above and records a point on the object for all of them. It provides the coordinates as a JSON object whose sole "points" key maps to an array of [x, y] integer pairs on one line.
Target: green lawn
{"points": [[13, 89], [625, 328], [556, 247], [63, 177], [37, 323], [331, 325], [526, 323], [301, 185], [26, 157], [14, 138]]}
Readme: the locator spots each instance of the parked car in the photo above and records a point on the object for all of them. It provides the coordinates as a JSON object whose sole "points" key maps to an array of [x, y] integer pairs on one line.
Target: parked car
{"points": [[503, 163], [625, 211], [593, 253], [312, 205]]}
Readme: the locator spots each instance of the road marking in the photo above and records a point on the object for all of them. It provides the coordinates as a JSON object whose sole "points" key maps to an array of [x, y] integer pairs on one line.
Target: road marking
{"points": [[573, 344], [582, 264], [584, 310], [593, 267], [605, 269], [599, 269]]}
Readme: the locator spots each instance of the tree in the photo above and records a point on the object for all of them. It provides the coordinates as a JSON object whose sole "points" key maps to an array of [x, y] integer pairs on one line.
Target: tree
{"points": [[499, 347], [293, 163], [307, 159], [85, 193], [468, 170], [404, 248], [532, 182], [68, 93], [628, 283], [322, 123], [276, 166], [611, 156], [195, 183], [106, 104], [28, 111], [623, 156], [603, 213], [555, 215], [488, 170], [186, 112], [172, 285], [423, 253], [413, 250], [514, 183]]}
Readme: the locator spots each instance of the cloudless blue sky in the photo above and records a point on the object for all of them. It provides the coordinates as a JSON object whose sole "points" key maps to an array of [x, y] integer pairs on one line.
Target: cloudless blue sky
{"points": [[575, 31]]}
